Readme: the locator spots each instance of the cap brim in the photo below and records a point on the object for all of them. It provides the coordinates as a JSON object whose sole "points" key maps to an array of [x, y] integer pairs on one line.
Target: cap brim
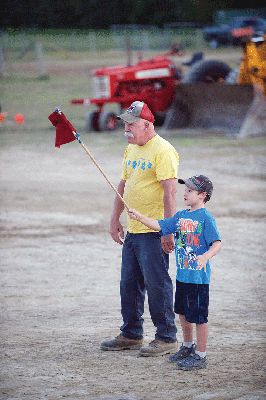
{"points": [[188, 183], [128, 118]]}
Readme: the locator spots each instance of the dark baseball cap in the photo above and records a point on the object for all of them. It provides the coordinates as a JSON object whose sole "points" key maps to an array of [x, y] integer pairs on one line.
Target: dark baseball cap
{"points": [[137, 110], [198, 182]]}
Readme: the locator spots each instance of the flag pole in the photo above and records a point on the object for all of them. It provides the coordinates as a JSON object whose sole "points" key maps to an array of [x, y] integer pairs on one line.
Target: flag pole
{"points": [[77, 136]]}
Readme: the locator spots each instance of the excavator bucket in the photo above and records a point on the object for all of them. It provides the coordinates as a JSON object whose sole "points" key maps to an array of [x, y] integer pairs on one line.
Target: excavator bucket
{"points": [[217, 106], [255, 121]]}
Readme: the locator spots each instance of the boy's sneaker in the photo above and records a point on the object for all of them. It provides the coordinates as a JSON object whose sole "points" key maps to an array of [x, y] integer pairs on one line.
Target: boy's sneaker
{"points": [[157, 348], [182, 353], [193, 362], [121, 342]]}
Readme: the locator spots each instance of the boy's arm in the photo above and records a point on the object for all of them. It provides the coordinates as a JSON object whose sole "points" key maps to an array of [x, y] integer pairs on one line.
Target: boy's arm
{"points": [[213, 250], [149, 222], [169, 201]]}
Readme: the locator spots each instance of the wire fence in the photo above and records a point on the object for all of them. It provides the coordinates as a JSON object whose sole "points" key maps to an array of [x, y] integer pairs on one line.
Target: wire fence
{"points": [[113, 39], [36, 46]]}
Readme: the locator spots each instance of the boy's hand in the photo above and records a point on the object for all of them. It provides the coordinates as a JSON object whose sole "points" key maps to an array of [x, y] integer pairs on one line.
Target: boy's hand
{"points": [[202, 261], [133, 214], [149, 222], [168, 243]]}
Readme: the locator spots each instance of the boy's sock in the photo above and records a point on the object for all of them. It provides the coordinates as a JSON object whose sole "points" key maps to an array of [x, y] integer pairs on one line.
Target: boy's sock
{"points": [[188, 344], [202, 354]]}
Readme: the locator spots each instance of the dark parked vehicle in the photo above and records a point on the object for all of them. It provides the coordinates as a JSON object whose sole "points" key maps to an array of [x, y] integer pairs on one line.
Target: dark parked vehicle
{"points": [[233, 33]]}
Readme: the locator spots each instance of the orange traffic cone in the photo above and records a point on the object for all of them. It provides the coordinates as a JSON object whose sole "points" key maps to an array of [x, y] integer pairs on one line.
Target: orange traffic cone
{"points": [[3, 116], [19, 118]]}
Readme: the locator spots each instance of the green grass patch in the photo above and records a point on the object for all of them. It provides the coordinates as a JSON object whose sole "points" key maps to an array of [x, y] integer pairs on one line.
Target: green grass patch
{"points": [[24, 90]]}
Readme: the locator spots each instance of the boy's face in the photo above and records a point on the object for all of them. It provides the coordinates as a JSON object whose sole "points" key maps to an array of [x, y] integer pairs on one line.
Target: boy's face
{"points": [[192, 198]]}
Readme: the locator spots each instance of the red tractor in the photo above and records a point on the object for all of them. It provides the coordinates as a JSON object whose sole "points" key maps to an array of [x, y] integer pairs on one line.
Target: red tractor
{"points": [[152, 81], [193, 97]]}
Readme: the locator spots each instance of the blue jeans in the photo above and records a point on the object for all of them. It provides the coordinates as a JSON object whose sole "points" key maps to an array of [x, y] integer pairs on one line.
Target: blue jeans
{"points": [[145, 267]]}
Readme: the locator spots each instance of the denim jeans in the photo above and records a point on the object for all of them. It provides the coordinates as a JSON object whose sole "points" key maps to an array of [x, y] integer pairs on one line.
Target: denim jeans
{"points": [[145, 267]]}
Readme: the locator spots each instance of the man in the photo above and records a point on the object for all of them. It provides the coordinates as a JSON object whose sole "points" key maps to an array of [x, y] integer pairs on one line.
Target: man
{"points": [[148, 184]]}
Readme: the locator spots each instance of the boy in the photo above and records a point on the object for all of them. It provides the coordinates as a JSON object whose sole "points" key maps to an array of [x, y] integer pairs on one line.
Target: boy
{"points": [[196, 241]]}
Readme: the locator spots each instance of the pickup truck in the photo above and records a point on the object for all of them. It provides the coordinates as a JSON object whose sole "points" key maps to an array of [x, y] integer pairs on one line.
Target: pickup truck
{"points": [[233, 33]]}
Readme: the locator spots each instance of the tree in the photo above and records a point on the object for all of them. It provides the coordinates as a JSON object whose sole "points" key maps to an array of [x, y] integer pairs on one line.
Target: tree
{"points": [[103, 13]]}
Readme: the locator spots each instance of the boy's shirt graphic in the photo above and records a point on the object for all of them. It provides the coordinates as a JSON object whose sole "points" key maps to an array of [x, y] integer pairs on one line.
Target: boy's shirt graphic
{"points": [[194, 233]]}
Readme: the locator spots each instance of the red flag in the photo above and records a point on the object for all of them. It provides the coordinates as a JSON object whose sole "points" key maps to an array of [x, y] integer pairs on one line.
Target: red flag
{"points": [[64, 129]]}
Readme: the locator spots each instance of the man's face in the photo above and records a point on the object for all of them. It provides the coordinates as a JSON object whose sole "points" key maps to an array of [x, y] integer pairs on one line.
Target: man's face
{"points": [[136, 132]]}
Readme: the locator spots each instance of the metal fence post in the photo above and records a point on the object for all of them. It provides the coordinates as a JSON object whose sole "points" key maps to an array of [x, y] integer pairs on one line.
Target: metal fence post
{"points": [[40, 59]]}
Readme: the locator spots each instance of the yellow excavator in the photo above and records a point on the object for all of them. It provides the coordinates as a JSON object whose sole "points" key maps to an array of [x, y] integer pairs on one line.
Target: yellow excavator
{"points": [[253, 66], [253, 72], [236, 103]]}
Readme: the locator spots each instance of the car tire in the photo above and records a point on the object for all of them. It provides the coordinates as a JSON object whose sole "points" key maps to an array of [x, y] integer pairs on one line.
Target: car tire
{"points": [[213, 43]]}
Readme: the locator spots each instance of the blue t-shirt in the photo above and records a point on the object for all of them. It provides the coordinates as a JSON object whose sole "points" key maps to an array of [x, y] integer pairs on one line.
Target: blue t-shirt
{"points": [[194, 231]]}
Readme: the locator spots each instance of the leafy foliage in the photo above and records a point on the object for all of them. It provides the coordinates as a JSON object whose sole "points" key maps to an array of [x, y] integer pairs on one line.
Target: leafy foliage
{"points": [[103, 13]]}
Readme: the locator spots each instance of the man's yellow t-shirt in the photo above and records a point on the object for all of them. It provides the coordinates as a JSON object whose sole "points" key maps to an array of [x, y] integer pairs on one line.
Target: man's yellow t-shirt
{"points": [[143, 169]]}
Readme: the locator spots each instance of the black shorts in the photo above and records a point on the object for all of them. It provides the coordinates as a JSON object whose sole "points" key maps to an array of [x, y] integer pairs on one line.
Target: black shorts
{"points": [[192, 301]]}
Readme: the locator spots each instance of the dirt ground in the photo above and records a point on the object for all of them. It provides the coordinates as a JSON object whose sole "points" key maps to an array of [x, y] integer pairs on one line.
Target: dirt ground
{"points": [[60, 270], [60, 274]]}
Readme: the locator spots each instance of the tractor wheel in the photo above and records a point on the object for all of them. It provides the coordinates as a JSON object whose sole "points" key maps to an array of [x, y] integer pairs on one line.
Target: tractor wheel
{"points": [[208, 71], [92, 121], [108, 121], [159, 119]]}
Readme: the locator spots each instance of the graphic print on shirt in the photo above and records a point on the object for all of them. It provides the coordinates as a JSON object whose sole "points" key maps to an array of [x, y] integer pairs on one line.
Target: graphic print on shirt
{"points": [[187, 241], [141, 163]]}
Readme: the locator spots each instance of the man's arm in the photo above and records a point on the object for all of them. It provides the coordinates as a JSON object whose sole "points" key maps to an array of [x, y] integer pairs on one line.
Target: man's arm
{"points": [[169, 201], [116, 229]]}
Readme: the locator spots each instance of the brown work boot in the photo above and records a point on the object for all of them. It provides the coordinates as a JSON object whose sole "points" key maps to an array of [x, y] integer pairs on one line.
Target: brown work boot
{"points": [[158, 348], [121, 342]]}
